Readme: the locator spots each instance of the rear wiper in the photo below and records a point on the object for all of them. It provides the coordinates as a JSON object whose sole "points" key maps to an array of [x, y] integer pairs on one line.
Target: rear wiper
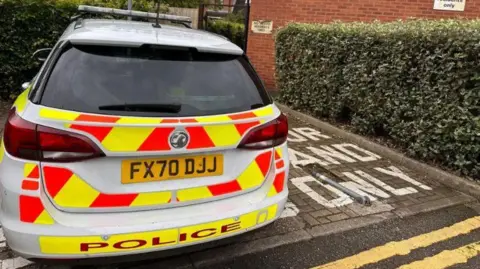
{"points": [[255, 106], [167, 108]]}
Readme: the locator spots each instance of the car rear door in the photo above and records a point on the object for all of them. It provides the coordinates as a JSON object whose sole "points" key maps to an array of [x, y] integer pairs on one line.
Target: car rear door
{"points": [[124, 129]]}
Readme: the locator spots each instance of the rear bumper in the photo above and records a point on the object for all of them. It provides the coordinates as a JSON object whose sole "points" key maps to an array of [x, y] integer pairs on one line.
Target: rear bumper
{"points": [[59, 241], [36, 229]]}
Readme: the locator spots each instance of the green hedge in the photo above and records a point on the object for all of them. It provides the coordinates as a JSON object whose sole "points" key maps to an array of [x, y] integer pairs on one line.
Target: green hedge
{"points": [[416, 83], [28, 25], [25, 27], [234, 31]]}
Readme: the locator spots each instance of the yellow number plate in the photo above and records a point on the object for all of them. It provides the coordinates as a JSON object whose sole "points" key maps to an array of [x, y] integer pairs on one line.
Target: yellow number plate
{"points": [[146, 170]]}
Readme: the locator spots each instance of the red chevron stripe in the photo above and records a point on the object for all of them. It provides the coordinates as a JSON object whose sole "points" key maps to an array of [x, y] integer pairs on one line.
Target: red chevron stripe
{"points": [[35, 173], [29, 185], [243, 127], [55, 178], [188, 120], [279, 164], [198, 138], [95, 118], [169, 121], [263, 161], [114, 200], [30, 208], [279, 181], [225, 188], [157, 140], [241, 116]]}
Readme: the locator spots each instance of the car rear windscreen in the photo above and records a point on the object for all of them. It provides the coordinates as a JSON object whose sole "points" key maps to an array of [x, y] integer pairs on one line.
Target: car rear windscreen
{"points": [[140, 81]]}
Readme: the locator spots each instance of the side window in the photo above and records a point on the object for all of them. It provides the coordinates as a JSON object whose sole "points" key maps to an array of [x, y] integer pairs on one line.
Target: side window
{"points": [[44, 69]]}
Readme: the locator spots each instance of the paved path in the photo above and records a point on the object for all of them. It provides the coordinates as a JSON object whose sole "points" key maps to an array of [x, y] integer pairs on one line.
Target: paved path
{"points": [[317, 210]]}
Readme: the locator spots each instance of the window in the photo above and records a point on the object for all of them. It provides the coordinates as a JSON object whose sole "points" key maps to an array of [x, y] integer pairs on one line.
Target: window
{"points": [[86, 78]]}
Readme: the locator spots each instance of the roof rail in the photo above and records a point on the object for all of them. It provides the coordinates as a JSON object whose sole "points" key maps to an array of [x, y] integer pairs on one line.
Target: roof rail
{"points": [[135, 14]]}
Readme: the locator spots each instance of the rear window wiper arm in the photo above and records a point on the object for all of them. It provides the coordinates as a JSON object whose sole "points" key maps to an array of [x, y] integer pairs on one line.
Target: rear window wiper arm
{"points": [[144, 107]]}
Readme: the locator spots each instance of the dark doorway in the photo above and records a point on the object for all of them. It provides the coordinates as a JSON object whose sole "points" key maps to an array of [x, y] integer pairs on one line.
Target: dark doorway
{"points": [[227, 20]]}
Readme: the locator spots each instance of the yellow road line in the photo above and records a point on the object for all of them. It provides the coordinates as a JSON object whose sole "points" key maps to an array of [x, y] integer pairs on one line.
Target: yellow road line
{"points": [[446, 258], [404, 247]]}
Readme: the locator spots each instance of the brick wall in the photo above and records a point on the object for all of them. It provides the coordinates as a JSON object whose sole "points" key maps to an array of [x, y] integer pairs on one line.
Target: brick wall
{"points": [[261, 46]]}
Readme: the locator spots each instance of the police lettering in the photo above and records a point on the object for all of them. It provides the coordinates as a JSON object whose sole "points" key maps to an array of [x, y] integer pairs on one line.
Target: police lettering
{"points": [[230, 227], [157, 241], [127, 244]]}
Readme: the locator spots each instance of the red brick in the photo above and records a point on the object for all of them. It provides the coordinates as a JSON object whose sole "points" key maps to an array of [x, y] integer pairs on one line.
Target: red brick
{"points": [[261, 47]]}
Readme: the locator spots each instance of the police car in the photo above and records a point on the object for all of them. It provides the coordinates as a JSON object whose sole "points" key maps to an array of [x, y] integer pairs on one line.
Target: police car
{"points": [[137, 137]]}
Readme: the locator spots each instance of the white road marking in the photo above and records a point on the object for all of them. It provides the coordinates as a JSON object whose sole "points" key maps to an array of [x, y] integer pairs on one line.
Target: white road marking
{"points": [[354, 150], [311, 134], [358, 184], [294, 137], [395, 172], [338, 154], [15, 263], [2, 236], [331, 155], [346, 153], [383, 185], [291, 210], [362, 187], [300, 183], [298, 159]]}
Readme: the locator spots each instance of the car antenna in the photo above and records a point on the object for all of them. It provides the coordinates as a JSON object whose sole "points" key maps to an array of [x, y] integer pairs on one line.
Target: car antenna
{"points": [[156, 25]]}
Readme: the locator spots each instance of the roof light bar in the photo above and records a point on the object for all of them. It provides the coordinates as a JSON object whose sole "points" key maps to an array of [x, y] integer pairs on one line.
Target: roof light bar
{"points": [[133, 13]]}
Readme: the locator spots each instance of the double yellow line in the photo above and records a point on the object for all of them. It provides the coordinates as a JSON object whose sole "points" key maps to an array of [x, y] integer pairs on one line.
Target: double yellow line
{"points": [[404, 247]]}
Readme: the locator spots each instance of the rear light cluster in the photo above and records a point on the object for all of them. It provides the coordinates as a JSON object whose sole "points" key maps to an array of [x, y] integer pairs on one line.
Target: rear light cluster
{"points": [[268, 135], [26, 140]]}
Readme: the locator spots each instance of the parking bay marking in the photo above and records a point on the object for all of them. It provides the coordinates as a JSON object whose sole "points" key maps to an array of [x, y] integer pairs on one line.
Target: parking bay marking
{"points": [[344, 153], [404, 247], [362, 183]]}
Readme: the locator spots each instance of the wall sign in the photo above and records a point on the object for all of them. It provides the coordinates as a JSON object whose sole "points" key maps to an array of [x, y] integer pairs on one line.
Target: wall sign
{"points": [[451, 5], [262, 27]]}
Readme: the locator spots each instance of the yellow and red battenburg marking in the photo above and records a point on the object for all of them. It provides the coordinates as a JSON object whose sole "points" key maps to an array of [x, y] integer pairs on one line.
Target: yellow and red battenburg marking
{"points": [[31, 175], [57, 114], [156, 239], [278, 153], [156, 138], [279, 180], [253, 176], [30, 170], [29, 185], [217, 131], [33, 211], [279, 164], [31, 207], [62, 183]]}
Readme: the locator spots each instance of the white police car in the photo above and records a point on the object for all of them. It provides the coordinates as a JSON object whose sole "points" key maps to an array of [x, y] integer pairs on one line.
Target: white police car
{"points": [[134, 138]]}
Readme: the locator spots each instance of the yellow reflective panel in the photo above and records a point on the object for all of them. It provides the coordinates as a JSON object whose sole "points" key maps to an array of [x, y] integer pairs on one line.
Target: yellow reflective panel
{"points": [[55, 114], [76, 193]]}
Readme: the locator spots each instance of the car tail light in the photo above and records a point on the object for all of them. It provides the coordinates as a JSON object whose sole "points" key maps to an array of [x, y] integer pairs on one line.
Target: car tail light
{"points": [[26, 140], [268, 135]]}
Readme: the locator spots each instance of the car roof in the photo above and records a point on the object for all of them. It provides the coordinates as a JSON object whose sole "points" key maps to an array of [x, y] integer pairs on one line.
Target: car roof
{"points": [[135, 34]]}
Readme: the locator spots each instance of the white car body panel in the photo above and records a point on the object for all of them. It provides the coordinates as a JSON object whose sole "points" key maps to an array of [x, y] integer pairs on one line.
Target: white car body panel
{"points": [[40, 236]]}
